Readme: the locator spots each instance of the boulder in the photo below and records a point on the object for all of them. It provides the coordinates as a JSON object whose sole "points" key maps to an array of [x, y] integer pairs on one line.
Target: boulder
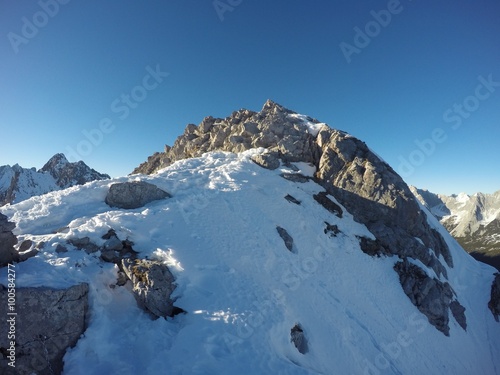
{"points": [[268, 160], [134, 194], [152, 285], [7, 241], [48, 322]]}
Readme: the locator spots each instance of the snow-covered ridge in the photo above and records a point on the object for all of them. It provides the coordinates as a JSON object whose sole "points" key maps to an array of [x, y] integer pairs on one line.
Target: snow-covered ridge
{"points": [[242, 289]]}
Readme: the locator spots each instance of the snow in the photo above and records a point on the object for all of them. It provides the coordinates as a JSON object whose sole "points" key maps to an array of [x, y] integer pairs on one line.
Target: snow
{"points": [[313, 128], [242, 289]]}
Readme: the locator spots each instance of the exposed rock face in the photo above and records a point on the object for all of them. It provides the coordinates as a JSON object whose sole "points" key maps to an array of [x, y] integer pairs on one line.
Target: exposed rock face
{"points": [[7, 241], [48, 322], [18, 184], [494, 303], [134, 194], [348, 170], [432, 297], [153, 284]]}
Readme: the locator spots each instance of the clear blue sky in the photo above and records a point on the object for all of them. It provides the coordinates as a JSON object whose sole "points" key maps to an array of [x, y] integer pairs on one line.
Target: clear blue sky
{"points": [[68, 74]]}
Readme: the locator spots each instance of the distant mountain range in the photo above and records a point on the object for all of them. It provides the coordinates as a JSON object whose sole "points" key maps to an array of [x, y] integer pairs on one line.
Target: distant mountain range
{"points": [[18, 183], [474, 221]]}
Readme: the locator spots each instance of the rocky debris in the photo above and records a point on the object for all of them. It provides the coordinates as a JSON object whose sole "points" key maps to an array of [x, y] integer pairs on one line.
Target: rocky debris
{"points": [[135, 194], [331, 229], [25, 245], [8, 253], [84, 244], [291, 199], [287, 239], [48, 322], [298, 339], [328, 204], [268, 160], [295, 177], [27, 249], [432, 297], [494, 303], [153, 284]]}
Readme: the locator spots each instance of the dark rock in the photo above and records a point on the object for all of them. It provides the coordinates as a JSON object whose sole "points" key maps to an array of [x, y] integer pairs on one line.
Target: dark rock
{"points": [[84, 244], [48, 322], [113, 243], [291, 199], [121, 278], [295, 177], [268, 160], [458, 312], [431, 296], [25, 245], [110, 233], [287, 239], [153, 284], [28, 254], [298, 339], [494, 303], [129, 195], [61, 248], [110, 256], [331, 230], [328, 204], [371, 247], [8, 253]]}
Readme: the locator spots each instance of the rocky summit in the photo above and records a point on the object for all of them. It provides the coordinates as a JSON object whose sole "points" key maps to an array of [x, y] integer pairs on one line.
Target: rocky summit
{"points": [[262, 243]]}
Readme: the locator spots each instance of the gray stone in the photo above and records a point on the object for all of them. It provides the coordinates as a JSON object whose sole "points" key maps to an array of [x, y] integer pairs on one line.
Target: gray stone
{"points": [[287, 239], [295, 177], [113, 243], [25, 245], [458, 312], [110, 256], [84, 244], [331, 230], [134, 194], [153, 284], [61, 248], [268, 161], [8, 253], [48, 322]]}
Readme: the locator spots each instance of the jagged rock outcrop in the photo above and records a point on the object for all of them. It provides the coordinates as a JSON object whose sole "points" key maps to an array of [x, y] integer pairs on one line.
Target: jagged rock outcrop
{"points": [[348, 170], [18, 184], [285, 236], [48, 322], [431, 296], [153, 284], [8, 253], [494, 303], [134, 194]]}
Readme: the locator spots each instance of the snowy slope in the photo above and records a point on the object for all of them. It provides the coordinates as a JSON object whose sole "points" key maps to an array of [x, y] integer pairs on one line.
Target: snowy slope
{"points": [[242, 289]]}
